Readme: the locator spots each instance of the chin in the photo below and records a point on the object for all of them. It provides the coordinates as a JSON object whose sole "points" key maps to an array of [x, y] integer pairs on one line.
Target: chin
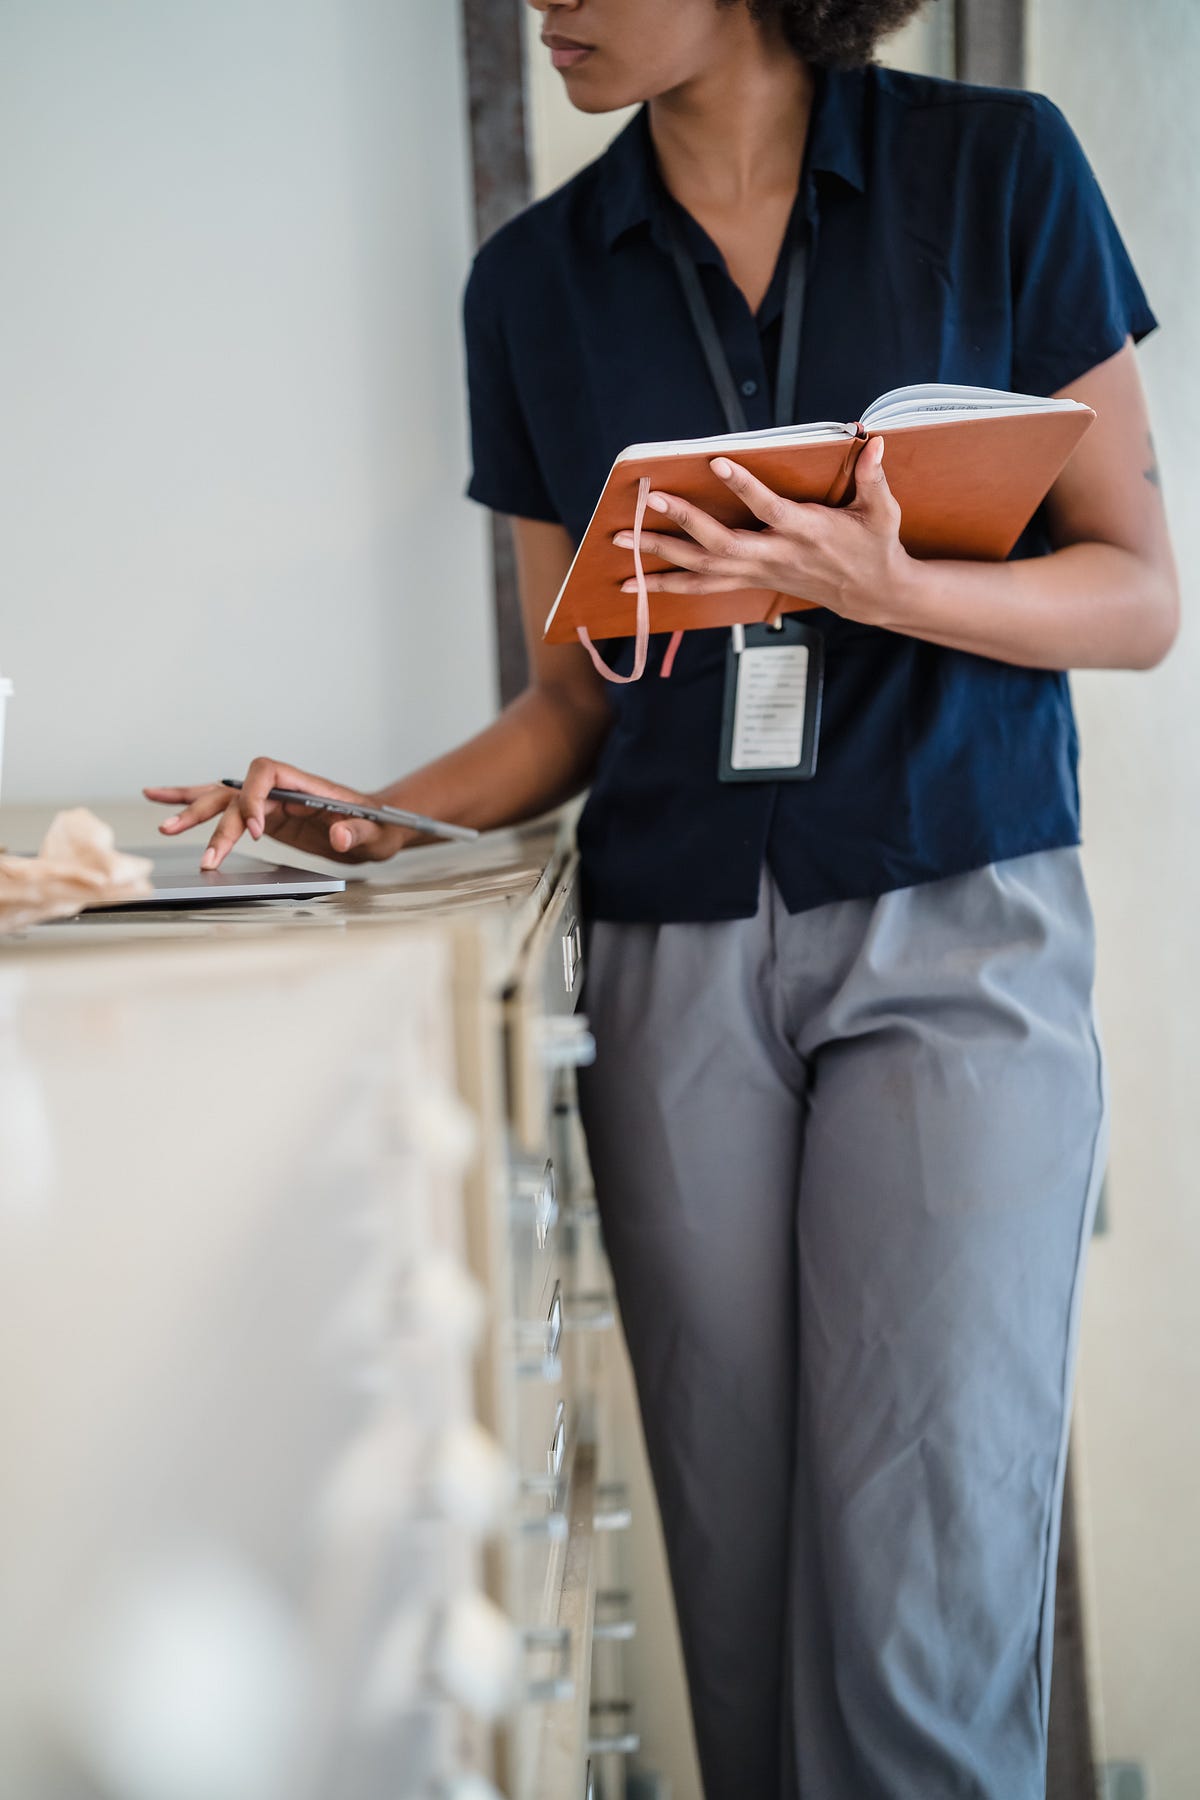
{"points": [[594, 103], [591, 96]]}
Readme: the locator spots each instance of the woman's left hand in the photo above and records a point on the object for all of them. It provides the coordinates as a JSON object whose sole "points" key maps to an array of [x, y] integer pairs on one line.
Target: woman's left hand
{"points": [[848, 558]]}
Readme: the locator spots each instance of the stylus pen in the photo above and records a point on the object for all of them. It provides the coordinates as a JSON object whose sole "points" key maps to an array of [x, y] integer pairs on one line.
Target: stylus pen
{"points": [[382, 815]]}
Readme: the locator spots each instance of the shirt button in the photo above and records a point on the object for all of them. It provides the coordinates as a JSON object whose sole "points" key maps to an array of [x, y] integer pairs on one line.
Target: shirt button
{"points": [[749, 388]]}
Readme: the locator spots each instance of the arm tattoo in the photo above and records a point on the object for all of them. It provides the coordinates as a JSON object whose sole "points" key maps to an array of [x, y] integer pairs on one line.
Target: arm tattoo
{"points": [[1152, 475]]}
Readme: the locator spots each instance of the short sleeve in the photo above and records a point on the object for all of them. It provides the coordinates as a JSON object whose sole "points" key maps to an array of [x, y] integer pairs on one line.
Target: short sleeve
{"points": [[1075, 291], [505, 473]]}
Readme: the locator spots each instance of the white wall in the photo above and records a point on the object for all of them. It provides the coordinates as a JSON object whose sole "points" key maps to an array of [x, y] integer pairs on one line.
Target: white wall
{"points": [[232, 443], [1125, 78]]}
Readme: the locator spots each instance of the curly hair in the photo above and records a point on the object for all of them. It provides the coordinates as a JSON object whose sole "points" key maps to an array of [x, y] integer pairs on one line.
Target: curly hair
{"points": [[833, 34]]}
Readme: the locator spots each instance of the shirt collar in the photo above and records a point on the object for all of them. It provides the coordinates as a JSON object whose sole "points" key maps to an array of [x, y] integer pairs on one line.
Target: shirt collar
{"points": [[629, 180]]}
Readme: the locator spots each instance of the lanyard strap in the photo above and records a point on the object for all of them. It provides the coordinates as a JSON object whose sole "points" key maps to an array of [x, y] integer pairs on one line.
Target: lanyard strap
{"points": [[709, 338], [735, 418], [787, 374]]}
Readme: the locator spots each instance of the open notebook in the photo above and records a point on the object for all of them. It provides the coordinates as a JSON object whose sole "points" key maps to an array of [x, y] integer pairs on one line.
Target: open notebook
{"points": [[969, 467]]}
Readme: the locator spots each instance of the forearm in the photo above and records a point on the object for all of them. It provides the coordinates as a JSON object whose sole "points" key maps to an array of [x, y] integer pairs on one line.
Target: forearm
{"points": [[537, 754], [1088, 605]]}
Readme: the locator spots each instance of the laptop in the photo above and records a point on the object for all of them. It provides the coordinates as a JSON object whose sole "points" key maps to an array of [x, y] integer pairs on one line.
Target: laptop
{"points": [[178, 879]]}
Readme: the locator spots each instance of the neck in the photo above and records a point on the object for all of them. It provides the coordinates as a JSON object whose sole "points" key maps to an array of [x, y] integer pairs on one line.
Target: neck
{"points": [[735, 133]]}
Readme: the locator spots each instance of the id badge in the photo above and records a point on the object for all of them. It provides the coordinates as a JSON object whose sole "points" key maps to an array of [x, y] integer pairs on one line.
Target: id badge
{"points": [[771, 716]]}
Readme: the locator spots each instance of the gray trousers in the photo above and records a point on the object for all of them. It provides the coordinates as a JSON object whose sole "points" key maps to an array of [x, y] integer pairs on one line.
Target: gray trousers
{"points": [[847, 1163]]}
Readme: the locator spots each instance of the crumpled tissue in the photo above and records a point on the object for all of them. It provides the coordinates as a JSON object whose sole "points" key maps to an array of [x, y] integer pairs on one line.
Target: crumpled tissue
{"points": [[77, 866]]}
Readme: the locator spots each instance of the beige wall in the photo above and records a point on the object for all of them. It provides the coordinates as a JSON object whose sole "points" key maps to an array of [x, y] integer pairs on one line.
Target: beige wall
{"points": [[1125, 77], [232, 444]]}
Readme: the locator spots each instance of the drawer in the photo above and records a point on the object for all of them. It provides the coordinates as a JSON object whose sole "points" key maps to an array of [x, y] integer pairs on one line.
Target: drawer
{"points": [[568, 1146], [536, 1568], [552, 966], [552, 1733], [542, 1454], [541, 1425], [544, 1429], [545, 1032], [536, 1233], [539, 1345]]}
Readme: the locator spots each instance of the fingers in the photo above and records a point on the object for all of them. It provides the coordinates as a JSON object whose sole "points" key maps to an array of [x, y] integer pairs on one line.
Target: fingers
{"points": [[873, 498], [869, 468], [346, 835], [225, 836], [699, 525], [763, 502], [263, 774], [689, 583], [208, 803], [675, 550], [251, 809], [174, 796]]}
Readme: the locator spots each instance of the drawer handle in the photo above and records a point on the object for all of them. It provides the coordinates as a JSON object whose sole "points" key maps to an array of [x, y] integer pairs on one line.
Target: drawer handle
{"points": [[566, 1043], [626, 1743], [613, 1513], [554, 1323], [545, 1207], [537, 1193], [617, 1630], [551, 1482], [614, 1743], [547, 1338], [553, 1525], [558, 1685], [558, 1443], [572, 954], [590, 1312]]}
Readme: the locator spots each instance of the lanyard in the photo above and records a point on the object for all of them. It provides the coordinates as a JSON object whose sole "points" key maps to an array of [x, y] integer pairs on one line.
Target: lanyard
{"points": [[710, 341], [731, 404]]}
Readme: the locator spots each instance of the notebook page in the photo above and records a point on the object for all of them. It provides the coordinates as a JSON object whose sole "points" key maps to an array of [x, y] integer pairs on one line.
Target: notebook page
{"points": [[935, 399], [730, 442]]}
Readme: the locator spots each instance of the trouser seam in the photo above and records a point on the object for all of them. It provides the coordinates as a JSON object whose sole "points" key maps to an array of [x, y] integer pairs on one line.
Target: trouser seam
{"points": [[1045, 1621]]}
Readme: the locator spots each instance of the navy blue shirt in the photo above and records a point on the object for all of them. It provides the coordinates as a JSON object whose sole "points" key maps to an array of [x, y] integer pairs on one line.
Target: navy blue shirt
{"points": [[957, 234]]}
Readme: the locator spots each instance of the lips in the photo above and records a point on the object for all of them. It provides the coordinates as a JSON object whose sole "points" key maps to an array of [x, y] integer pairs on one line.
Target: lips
{"points": [[566, 53]]}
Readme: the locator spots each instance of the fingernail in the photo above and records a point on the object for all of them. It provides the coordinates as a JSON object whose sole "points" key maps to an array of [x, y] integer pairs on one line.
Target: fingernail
{"points": [[173, 820], [624, 540], [656, 502], [255, 829], [722, 468], [629, 587], [208, 859]]}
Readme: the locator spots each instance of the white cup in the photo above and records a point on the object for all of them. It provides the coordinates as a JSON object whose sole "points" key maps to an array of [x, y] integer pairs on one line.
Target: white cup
{"points": [[6, 689]]}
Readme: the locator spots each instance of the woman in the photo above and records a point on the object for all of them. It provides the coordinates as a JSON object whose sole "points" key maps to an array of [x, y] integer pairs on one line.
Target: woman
{"points": [[847, 1115]]}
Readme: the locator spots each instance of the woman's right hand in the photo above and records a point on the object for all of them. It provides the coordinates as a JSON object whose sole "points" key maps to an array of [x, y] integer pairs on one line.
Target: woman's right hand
{"points": [[248, 809]]}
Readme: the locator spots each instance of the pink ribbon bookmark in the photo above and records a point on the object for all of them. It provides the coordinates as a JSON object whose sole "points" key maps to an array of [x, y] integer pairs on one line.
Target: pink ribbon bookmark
{"points": [[641, 642]]}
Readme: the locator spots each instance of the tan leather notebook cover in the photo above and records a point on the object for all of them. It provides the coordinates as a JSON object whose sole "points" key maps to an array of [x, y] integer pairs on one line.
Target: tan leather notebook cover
{"points": [[966, 488]]}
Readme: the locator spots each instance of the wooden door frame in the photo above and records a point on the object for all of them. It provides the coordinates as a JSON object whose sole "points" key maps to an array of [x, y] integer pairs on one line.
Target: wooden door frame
{"points": [[494, 53], [989, 42]]}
